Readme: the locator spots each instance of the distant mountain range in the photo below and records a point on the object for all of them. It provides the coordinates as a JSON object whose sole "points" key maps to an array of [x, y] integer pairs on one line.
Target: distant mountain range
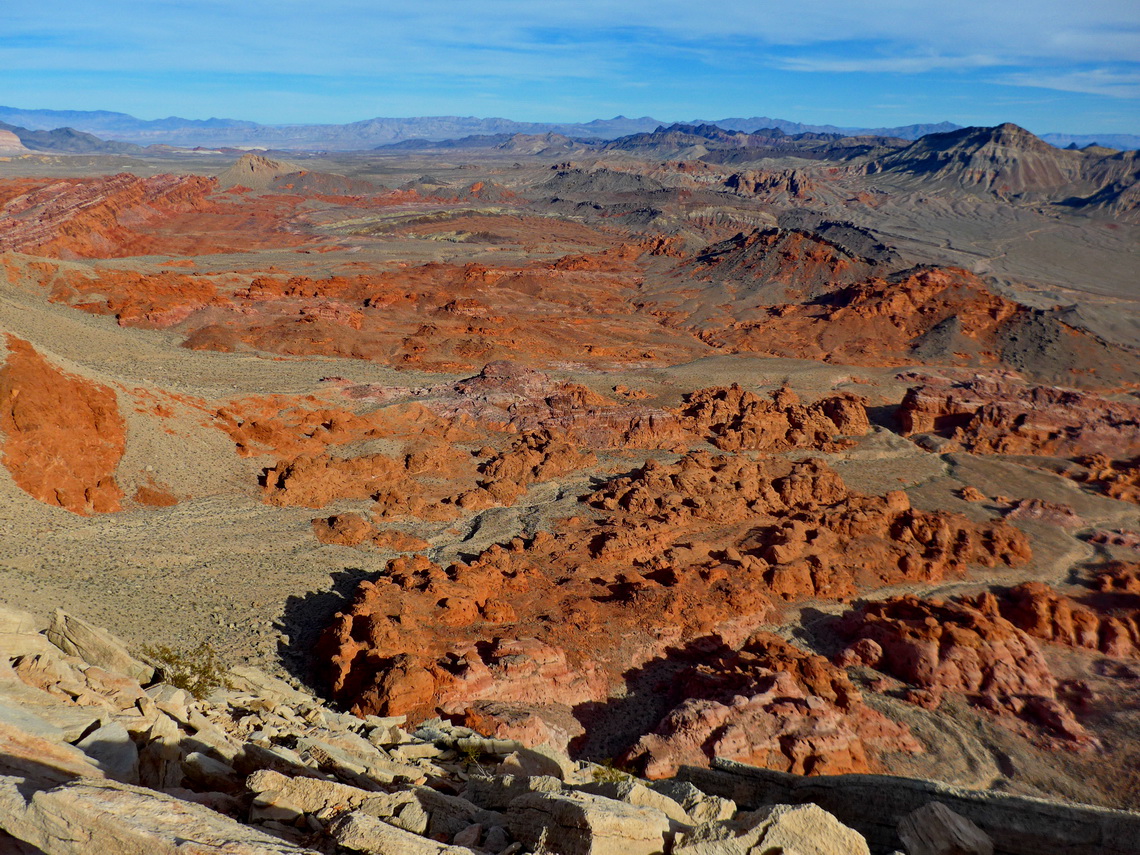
{"points": [[371, 133], [109, 132]]}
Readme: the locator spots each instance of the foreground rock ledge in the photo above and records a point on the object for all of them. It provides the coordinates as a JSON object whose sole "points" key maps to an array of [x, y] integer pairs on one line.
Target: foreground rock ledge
{"points": [[86, 816]]}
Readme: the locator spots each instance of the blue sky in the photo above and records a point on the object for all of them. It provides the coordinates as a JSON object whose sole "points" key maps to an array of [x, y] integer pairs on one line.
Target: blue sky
{"points": [[1050, 65]]}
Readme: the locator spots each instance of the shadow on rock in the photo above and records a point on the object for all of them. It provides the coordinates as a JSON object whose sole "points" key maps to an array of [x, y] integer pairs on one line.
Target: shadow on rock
{"points": [[652, 690], [305, 618]]}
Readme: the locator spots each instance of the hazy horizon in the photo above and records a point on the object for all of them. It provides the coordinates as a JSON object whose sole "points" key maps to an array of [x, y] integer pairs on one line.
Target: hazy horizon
{"points": [[1052, 67]]}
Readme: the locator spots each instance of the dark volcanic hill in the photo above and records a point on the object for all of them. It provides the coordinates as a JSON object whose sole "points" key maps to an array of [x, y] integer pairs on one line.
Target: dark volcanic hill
{"points": [[1006, 160], [714, 144], [1009, 162]]}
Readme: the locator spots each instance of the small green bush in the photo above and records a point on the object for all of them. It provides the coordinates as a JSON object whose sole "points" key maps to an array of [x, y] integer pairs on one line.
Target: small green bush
{"points": [[199, 670], [607, 772]]}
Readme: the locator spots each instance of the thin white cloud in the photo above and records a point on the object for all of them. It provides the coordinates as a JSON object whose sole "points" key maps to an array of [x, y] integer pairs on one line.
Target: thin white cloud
{"points": [[889, 64], [1099, 81], [301, 36]]}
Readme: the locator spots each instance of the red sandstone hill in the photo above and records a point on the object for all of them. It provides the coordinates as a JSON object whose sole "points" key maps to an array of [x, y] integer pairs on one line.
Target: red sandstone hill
{"points": [[95, 218], [938, 315]]}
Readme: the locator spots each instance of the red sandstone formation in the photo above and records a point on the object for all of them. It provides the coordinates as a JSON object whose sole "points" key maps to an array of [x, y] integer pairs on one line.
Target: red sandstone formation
{"points": [[1044, 613], [63, 436], [95, 218], [446, 317], [314, 481], [1125, 539], [287, 425], [535, 456], [810, 535], [1118, 576], [354, 530], [506, 395], [772, 185], [877, 321], [988, 415], [683, 551], [139, 300], [736, 420], [343, 529], [772, 705], [154, 496], [529, 724], [940, 646], [1119, 479]]}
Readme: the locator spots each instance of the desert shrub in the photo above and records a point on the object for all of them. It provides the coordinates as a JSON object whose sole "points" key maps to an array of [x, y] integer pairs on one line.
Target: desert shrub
{"points": [[607, 772], [198, 670]]}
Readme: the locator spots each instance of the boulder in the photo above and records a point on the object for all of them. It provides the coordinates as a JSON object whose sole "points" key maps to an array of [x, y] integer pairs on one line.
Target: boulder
{"points": [[210, 773], [84, 816], [585, 824], [790, 829], [110, 746], [363, 833], [637, 794], [31, 757], [496, 792], [934, 829], [700, 806], [96, 646]]}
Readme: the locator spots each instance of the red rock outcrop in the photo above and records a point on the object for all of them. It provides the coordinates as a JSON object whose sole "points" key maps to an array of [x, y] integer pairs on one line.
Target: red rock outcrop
{"points": [[877, 320], [314, 481], [534, 456], [146, 300], [1118, 577], [736, 420], [1126, 539], [990, 415], [97, 217], [771, 185], [683, 551], [154, 496], [809, 536], [63, 435], [287, 425], [939, 646], [528, 724], [353, 530], [1046, 614], [449, 318], [772, 705], [507, 395], [1119, 479]]}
